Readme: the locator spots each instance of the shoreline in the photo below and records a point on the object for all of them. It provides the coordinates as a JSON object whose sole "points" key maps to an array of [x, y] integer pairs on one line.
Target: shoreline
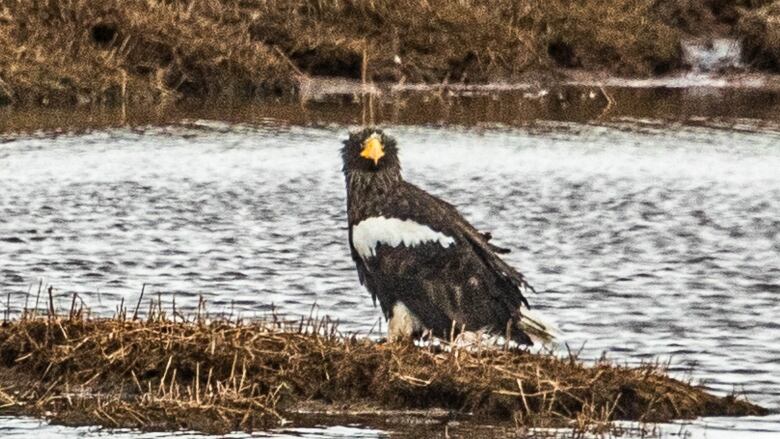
{"points": [[220, 375], [720, 102], [150, 53]]}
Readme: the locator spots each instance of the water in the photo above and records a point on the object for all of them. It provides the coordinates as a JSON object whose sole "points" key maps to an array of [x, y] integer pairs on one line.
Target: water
{"points": [[646, 238], [25, 427], [713, 55]]}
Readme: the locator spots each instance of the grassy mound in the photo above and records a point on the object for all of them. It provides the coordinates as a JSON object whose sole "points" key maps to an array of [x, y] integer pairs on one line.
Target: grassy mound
{"points": [[56, 52], [219, 375]]}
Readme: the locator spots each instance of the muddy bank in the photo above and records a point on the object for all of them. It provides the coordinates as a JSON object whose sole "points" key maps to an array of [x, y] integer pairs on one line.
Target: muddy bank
{"points": [[218, 376], [722, 105], [57, 53]]}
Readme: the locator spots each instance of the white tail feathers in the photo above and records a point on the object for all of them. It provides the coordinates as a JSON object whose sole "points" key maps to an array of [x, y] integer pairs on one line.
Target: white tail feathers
{"points": [[537, 327]]}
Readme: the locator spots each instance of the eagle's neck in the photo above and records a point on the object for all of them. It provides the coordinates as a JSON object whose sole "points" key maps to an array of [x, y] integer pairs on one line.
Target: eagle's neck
{"points": [[367, 191]]}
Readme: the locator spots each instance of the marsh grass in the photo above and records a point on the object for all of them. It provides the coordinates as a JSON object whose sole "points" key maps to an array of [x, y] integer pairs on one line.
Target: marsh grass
{"points": [[71, 52], [761, 36], [164, 371]]}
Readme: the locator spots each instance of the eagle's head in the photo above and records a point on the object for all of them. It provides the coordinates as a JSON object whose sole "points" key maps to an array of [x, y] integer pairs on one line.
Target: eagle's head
{"points": [[370, 151]]}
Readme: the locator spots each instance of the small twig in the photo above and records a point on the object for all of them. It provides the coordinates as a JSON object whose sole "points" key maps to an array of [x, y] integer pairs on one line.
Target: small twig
{"points": [[38, 296], [289, 62], [364, 80], [26, 300], [72, 307], [7, 313], [610, 102], [138, 304], [52, 311], [165, 374]]}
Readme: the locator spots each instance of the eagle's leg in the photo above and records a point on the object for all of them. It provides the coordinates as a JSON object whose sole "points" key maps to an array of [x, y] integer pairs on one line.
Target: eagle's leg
{"points": [[403, 324]]}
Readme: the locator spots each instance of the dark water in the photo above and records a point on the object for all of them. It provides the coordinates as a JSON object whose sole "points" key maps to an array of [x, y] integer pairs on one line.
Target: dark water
{"points": [[645, 239]]}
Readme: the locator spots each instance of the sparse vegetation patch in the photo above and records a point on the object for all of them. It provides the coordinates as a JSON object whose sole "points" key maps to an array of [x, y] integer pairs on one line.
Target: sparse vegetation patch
{"points": [[223, 375]]}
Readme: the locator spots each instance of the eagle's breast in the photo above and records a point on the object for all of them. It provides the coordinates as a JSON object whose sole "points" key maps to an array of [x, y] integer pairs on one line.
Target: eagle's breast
{"points": [[372, 231]]}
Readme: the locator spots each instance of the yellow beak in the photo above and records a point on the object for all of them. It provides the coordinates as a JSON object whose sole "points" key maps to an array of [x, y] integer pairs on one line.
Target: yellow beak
{"points": [[372, 149]]}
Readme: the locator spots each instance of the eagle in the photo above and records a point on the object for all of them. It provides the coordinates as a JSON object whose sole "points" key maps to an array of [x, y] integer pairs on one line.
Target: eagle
{"points": [[431, 270]]}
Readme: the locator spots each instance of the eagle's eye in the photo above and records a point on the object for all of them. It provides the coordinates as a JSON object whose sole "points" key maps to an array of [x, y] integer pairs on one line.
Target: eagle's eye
{"points": [[373, 149]]}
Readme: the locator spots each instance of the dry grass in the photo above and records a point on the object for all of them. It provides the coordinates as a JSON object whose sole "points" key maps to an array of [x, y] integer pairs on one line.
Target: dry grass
{"points": [[760, 31], [221, 375], [67, 52]]}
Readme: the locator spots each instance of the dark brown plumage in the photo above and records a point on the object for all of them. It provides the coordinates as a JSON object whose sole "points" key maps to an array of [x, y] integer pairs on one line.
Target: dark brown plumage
{"points": [[423, 261]]}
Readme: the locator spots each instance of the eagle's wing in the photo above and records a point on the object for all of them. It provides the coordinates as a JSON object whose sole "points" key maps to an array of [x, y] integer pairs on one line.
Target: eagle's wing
{"points": [[417, 250], [488, 236], [360, 264], [427, 209], [508, 298]]}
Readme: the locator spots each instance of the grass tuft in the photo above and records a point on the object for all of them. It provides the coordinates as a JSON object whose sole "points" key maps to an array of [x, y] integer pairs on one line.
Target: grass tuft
{"points": [[221, 375]]}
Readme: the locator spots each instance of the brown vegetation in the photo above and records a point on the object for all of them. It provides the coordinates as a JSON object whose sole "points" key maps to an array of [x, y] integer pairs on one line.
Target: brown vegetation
{"points": [[222, 375], [761, 36], [69, 52]]}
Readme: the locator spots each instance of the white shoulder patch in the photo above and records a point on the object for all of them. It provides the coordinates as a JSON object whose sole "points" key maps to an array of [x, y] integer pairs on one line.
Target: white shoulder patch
{"points": [[370, 232]]}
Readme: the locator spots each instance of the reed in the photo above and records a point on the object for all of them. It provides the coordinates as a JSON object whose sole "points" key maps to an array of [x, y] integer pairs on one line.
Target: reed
{"points": [[166, 372]]}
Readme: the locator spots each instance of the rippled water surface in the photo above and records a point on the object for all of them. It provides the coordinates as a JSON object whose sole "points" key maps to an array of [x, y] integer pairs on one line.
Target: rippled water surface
{"points": [[644, 240]]}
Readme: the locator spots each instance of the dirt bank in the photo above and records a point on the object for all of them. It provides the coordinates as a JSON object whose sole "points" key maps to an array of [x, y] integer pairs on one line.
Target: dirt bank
{"points": [[760, 29], [64, 53], [220, 376]]}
